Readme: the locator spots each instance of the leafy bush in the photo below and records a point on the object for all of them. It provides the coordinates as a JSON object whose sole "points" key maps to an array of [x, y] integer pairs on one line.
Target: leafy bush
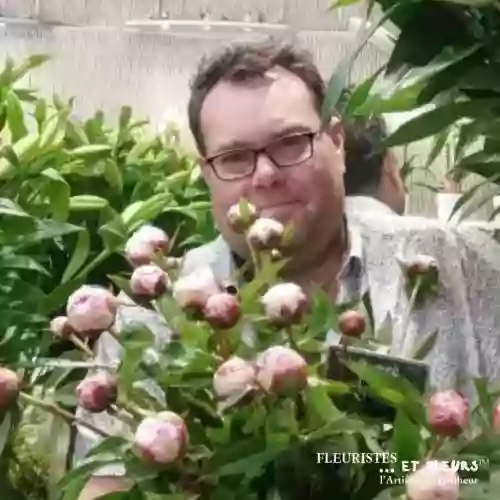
{"points": [[71, 192]]}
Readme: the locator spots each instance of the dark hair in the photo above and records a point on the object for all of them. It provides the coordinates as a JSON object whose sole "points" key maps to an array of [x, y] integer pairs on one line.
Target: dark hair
{"points": [[364, 154], [248, 61]]}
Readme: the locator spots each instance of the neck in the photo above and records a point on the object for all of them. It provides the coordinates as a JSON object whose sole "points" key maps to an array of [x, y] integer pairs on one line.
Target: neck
{"points": [[320, 269]]}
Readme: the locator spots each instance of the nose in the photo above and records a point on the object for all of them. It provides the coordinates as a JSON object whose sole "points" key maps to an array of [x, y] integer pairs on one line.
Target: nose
{"points": [[266, 172]]}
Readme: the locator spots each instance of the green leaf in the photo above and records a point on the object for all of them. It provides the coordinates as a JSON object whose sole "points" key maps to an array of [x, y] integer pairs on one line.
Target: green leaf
{"points": [[59, 193], [27, 148], [438, 145], [93, 150], [85, 202], [394, 390], [8, 207], [5, 427], [54, 130], [426, 346], [113, 175], [40, 113], [80, 254], [320, 405], [140, 150], [434, 121], [406, 439], [15, 117], [21, 262], [144, 211], [113, 234], [360, 94], [338, 81], [30, 63], [485, 399], [336, 4]]}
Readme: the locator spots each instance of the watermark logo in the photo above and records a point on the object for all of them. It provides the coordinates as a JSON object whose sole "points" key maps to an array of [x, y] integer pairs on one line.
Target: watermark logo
{"points": [[393, 471]]}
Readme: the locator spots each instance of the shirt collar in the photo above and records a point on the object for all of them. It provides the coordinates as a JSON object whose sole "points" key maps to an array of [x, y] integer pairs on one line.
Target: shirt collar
{"points": [[366, 204]]}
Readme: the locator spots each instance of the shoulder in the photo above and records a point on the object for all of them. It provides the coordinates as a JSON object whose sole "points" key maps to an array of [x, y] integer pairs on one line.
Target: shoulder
{"points": [[215, 254]]}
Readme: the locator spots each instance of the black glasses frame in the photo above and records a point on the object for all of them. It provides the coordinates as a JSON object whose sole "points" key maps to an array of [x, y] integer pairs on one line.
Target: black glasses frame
{"points": [[258, 151]]}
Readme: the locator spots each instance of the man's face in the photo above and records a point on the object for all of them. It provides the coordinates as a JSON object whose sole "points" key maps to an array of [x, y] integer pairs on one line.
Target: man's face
{"points": [[275, 111]]}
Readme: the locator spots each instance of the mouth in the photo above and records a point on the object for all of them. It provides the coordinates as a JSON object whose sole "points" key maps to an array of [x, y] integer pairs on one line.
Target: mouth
{"points": [[274, 206]]}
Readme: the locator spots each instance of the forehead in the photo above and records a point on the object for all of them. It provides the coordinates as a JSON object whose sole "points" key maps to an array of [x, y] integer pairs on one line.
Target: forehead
{"points": [[253, 111]]}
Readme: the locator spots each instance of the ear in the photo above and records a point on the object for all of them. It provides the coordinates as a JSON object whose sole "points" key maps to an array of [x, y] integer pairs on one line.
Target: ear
{"points": [[335, 131], [391, 170]]}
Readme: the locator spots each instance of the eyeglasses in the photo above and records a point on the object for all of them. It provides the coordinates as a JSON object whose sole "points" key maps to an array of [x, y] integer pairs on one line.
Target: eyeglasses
{"points": [[284, 152]]}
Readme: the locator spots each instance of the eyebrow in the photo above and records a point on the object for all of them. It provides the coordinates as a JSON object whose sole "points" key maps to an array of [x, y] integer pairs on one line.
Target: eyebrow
{"points": [[242, 144]]}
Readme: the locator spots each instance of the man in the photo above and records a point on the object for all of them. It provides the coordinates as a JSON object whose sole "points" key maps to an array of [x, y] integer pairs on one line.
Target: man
{"points": [[372, 178], [255, 115]]}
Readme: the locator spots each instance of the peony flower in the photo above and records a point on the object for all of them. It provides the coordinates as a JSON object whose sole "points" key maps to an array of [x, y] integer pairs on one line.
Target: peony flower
{"points": [[9, 387], [239, 221], [222, 311], [59, 326], [97, 392], [352, 324], [161, 439], [234, 377], [149, 281], [142, 246], [281, 370], [265, 234], [284, 304], [433, 481], [191, 292], [495, 418], [447, 413], [91, 309]]}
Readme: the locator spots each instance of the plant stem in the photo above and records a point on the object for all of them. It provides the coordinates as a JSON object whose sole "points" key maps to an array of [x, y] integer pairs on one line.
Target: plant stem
{"points": [[132, 409], [293, 344], [89, 267], [66, 415], [411, 305], [436, 445], [223, 344], [81, 345]]}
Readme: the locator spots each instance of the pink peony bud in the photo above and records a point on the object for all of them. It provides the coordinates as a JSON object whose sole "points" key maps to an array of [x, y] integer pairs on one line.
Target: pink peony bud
{"points": [[145, 243], [162, 439], [281, 370], [9, 387], [149, 281], [285, 304], [91, 310], [240, 221], [234, 377], [265, 234], [432, 481], [447, 413], [495, 418], [222, 311], [97, 392], [191, 292], [352, 324], [59, 326]]}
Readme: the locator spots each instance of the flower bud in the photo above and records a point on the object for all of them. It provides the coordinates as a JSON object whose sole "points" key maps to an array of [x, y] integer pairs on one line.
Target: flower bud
{"points": [[285, 304], [234, 377], [352, 324], [495, 418], [433, 480], [59, 326], [148, 281], [161, 439], [281, 370], [222, 311], [423, 265], [191, 292], [97, 392], [91, 310], [145, 243], [447, 413], [9, 387], [265, 234], [239, 221]]}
